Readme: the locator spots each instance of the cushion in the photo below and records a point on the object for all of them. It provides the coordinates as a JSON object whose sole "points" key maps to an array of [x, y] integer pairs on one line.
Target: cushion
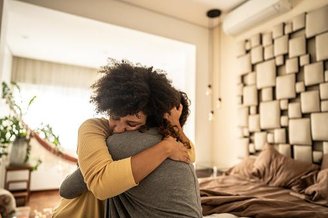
{"points": [[321, 45], [260, 139], [285, 87], [250, 95], [278, 30], [316, 21], [266, 74], [268, 52], [300, 131], [243, 169], [245, 65], [285, 149], [318, 192], [280, 45], [324, 163], [303, 153], [279, 60], [304, 60], [278, 170], [284, 104], [292, 65], [267, 39], [254, 123], [310, 101], [270, 115], [319, 126], [324, 106], [267, 94], [298, 22], [300, 87], [280, 136], [313, 74], [297, 46]]}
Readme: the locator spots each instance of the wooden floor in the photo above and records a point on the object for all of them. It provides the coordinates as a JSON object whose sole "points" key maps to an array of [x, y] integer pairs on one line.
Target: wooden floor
{"points": [[42, 202]]}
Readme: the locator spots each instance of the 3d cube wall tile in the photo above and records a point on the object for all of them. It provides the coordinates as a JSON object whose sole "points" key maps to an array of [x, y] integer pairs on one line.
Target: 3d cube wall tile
{"points": [[317, 156], [292, 65], [285, 149], [251, 148], [245, 132], [270, 138], [303, 153], [280, 136], [324, 106], [268, 52], [269, 115], [284, 121], [283, 104], [243, 147], [321, 45], [254, 123], [298, 22], [294, 110], [325, 147], [255, 40], [326, 75], [247, 45], [304, 60], [253, 110], [285, 87], [250, 95], [260, 139], [266, 74], [240, 89], [310, 101], [280, 60], [243, 116], [278, 31], [245, 64], [319, 126], [239, 100], [324, 91], [256, 54], [241, 48], [300, 131], [267, 39], [267, 94], [313, 74], [297, 46], [280, 46], [300, 87], [288, 28], [316, 22], [250, 78]]}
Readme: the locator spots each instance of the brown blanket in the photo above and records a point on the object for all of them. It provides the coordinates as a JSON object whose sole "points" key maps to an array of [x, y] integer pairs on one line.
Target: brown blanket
{"points": [[241, 197]]}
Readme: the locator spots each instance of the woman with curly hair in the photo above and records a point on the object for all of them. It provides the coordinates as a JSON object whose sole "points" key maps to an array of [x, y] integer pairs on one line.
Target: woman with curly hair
{"points": [[145, 171]]}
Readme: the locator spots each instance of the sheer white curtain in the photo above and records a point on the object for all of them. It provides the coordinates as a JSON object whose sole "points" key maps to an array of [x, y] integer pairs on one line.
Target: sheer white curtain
{"points": [[63, 95]]}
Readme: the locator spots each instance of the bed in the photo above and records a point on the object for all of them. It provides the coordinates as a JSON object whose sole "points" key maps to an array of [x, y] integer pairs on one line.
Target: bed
{"points": [[269, 185]]}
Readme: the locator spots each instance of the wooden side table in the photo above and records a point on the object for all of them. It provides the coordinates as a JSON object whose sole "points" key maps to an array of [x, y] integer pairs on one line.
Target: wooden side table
{"points": [[22, 193]]}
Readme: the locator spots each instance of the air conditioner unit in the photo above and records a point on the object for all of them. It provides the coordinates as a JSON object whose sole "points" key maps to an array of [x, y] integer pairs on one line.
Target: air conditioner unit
{"points": [[252, 13]]}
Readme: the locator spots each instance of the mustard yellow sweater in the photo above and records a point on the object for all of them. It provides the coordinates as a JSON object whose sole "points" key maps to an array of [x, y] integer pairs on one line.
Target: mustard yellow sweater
{"points": [[104, 177]]}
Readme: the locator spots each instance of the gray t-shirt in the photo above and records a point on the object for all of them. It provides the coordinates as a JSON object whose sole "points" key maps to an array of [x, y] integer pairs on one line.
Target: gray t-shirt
{"points": [[169, 191]]}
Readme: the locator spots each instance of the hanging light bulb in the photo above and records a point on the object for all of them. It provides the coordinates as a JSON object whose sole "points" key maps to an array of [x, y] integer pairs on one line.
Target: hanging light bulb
{"points": [[218, 103], [209, 89], [211, 115]]}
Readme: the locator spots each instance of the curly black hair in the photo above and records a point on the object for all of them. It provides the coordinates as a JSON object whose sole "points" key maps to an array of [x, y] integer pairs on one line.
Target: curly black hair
{"points": [[126, 89]]}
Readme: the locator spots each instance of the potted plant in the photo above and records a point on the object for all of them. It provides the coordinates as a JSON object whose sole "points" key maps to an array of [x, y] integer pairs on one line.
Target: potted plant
{"points": [[15, 132]]}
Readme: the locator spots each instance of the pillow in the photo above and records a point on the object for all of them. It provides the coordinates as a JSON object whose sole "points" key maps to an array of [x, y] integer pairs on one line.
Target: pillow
{"points": [[243, 169], [318, 192], [276, 169], [324, 163]]}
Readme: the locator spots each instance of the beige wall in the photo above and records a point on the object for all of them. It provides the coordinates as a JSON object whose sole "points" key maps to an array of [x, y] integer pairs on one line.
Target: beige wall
{"points": [[225, 148]]}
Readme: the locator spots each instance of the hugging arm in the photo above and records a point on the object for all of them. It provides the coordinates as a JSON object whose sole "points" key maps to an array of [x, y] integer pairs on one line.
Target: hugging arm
{"points": [[73, 186], [106, 178]]}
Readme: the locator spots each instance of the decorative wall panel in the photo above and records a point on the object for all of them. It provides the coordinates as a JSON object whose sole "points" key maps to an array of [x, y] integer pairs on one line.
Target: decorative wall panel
{"points": [[284, 75]]}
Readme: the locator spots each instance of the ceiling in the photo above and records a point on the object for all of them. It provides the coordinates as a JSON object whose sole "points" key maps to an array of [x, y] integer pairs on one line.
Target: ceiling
{"points": [[193, 11], [80, 41]]}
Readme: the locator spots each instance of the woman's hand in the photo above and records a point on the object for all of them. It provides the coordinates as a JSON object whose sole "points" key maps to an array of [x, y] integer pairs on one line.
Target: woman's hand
{"points": [[174, 115], [177, 151]]}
